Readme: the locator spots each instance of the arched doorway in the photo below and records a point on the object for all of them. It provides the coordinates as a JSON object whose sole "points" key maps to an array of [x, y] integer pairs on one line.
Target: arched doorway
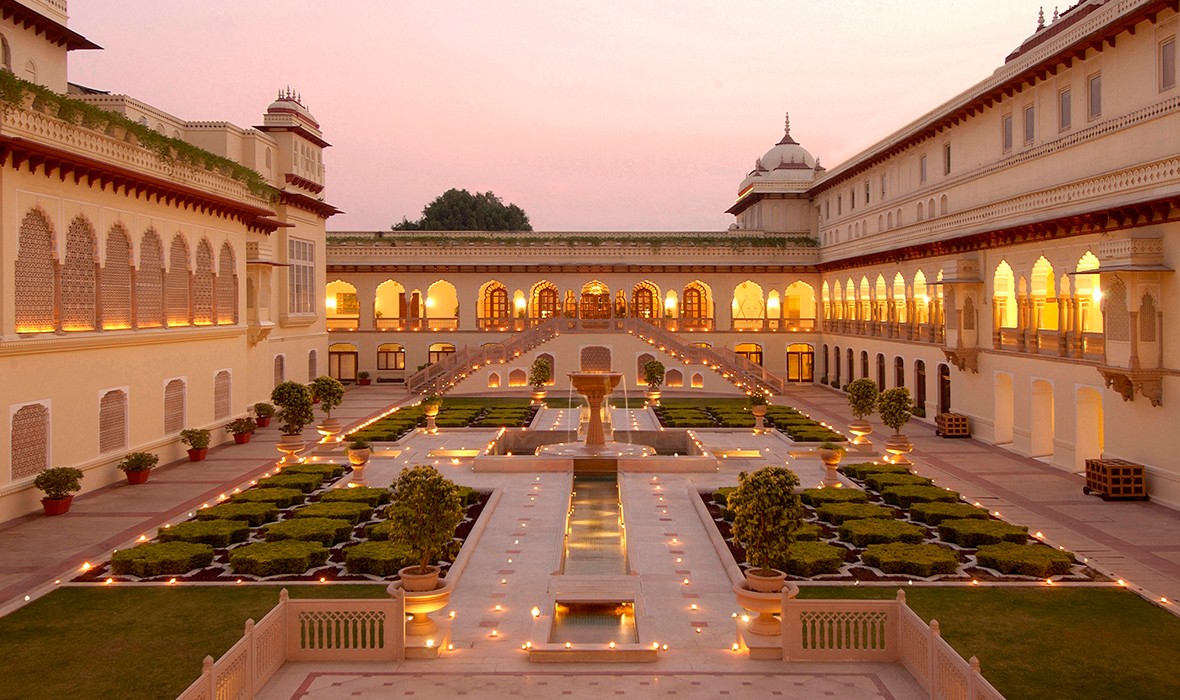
{"points": [[898, 372], [342, 311], [342, 361], [864, 364], [801, 363], [944, 389], [920, 386], [851, 373], [880, 372], [596, 301]]}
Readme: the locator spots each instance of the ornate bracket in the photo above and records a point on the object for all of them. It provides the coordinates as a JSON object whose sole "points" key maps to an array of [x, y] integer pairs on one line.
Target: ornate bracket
{"points": [[963, 358], [1149, 383], [259, 332]]}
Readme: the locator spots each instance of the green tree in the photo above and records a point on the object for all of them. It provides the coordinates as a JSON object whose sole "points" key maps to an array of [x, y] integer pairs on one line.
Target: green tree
{"points": [[766, 514], [459, 210]]}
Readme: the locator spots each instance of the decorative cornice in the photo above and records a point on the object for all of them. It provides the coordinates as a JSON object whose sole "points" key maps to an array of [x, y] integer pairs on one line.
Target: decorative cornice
{"points": [[296, 129], [339, 268], [55, 32], [90, 340], [304, 183], [302, 201]]}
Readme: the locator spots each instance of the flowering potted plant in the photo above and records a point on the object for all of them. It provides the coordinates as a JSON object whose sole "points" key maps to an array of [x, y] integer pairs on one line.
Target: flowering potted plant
{"points": [[197, 440], [242, 429], [138, 465]]}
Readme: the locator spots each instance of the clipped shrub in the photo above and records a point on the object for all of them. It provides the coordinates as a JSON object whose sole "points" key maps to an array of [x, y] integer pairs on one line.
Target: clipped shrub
{"points": [[878, 481], [839, 513], [813, 558], [860, 470], [934, 513], [274, 558], [217, 533], [381, 558], [808, 532], [1024, 559], [326, 531], [468, 495], [304, 482], [282, 498], [973, 533], [914, 559], [904, 496], [818, 497], [340, 510], [328, 470], [380, 531], [373, 497], [862, 533], [161, 559], [253, 514]]}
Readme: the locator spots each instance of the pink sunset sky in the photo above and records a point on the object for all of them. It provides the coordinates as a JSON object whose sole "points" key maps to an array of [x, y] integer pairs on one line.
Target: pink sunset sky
{"points": [[598, 115]]}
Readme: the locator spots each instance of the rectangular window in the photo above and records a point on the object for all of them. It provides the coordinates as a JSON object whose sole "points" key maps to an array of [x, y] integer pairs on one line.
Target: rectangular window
{"points": [[882, 187], [1064, 109], [852, 199], [866, 192], [300, 276], [1168, 64], [827, 208], [839, 206], [391, 359], [922, 170], [1007, 132], [946, 159], [1030, 124], [1095, 96]]}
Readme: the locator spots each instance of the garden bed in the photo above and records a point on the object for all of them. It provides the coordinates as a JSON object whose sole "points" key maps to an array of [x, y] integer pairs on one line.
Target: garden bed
{"points": [[455, 413], [735, 413]]}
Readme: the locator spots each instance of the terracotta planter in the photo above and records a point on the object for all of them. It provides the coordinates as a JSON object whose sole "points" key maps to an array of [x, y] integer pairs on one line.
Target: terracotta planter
{"points": [[262, 422], [415, 582], [57, 506], [242, 438], [195, 455], [364, 382], [138, 477], [765, 584], [759, 412]]}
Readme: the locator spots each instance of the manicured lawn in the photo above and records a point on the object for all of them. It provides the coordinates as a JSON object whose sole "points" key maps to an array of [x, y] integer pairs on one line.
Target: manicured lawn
{"points": [[132, 642], [1051, 642]]}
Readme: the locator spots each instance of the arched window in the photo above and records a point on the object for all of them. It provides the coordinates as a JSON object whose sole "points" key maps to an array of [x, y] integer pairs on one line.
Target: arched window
{"points": [[943, 205], [698, 381], [203, 285], [864, 364], [674, 379], [552, 367], [640, 361], [898, 372], [149, 282], [176, 286], [34, 275], [643, 301], [116, 281], [112, 421], [1147, 319], [77, 278], [221, 395], [750, 351], [438, 351], [545, 301], [30, 440], [313, 369], [920, 385], [5, 54], [880, 372], [174, 407], [227, 286], [280, 373], [921, 210], [494, 380]]}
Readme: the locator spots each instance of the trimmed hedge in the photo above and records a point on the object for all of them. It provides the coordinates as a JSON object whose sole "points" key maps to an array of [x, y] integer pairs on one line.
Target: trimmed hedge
{"points": [[161, 559], [326, 531], [973, 532], [861, 533], [1024, 559], [935, 513], [840, 513], [328, 470], [381, 531], [378, 558], [814, 558], [373, 497], [303, 482], [905, 496], [721, 495], [914, 559], [808, 532], [860, 470], [468, 495], [341, 510], [217, 533], [281, 498], [818, 497], [878, 481], [273, 558], [253, 514]]}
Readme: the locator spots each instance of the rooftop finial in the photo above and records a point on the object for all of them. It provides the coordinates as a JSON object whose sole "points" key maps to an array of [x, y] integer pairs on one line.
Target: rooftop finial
{"points": [[1040, 19], [787, 125], [1055, 15]]}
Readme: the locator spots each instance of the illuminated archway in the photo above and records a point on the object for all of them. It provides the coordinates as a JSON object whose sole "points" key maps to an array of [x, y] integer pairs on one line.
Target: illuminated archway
{"points": [[342, 310], [442, 305]]}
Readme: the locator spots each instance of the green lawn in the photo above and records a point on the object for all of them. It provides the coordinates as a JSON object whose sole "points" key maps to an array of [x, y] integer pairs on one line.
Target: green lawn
{"points": [[1051, 642], [132, 642]]}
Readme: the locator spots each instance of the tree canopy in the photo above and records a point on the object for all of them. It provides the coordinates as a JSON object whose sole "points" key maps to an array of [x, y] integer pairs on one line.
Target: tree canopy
{"points": [[459, 210]]}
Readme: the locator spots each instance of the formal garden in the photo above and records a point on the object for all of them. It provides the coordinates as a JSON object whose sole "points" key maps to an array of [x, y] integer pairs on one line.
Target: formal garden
{"points": [[738, 413], [454, 412]]}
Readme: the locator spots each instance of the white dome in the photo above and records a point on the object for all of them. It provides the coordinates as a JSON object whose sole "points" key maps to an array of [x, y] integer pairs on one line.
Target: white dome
{"points": [[786, 161]]}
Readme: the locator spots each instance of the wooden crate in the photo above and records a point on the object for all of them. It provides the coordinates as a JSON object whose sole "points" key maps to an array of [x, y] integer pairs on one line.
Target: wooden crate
{"points": [[952, 425], [1115, 478]]}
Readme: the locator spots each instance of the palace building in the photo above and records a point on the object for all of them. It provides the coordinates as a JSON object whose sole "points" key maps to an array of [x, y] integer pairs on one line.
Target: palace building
{"points": [[157, 274], [1008, 256]]}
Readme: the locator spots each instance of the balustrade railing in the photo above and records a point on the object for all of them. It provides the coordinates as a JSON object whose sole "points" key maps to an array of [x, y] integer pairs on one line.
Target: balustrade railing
{"points": [[729, 363], [454, 366]]}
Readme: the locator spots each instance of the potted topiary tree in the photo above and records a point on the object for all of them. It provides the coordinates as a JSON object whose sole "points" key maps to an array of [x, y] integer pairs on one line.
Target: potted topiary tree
{"points": [[329, 393], [242, 429], [425, 511], [294, 402], [263, 412], [653, 377], [362, 378], [896, 407], [767, 512], [862, 401], [431, 404], [59, 484], [137, 466], [197, 440], [540, 374]]}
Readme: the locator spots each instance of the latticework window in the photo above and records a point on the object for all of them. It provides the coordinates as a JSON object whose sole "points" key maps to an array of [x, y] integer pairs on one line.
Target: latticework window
{"points": [[112, 421], [116, 281], [968, 314], [952, 317], [1114, 312], [174, 407], [176, 286], [149, 282], [30, 440], [203, 285], [1147, 319], [313, 370], [595, 358], [77, 278], [280, 371], [221, 394], [227, 286], [34, 275]]}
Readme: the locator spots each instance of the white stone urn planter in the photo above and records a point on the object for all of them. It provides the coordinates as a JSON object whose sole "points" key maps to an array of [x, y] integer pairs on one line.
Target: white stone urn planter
{"points": [[860, 429], [290, 446], [759, 411], [653, 397], [765, 604], [329, 428], [898, 446], [421, 602], [537, 396]]}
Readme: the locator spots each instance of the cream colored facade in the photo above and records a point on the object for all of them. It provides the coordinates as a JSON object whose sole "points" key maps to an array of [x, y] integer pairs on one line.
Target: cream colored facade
{"points": [[144, 295], [1008, 256]]}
